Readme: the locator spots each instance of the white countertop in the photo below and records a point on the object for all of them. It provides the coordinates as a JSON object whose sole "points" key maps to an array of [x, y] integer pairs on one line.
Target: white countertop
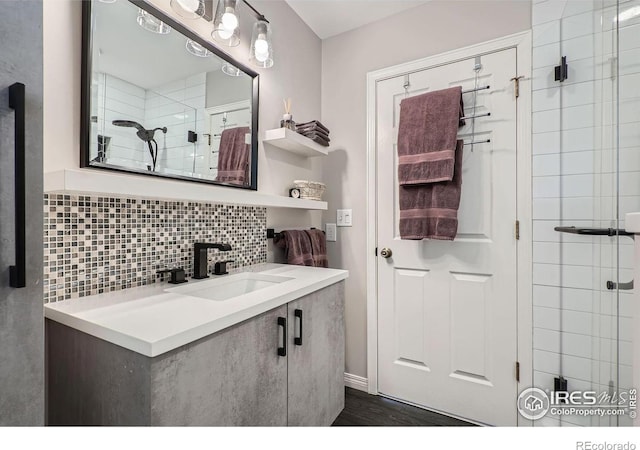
{"points": [[152, 320]]}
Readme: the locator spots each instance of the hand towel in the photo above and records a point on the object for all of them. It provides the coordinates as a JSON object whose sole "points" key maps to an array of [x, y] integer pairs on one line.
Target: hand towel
{"points": [[430, 211], [318, 247], [427, 135], [312, 134], [297, 247], [317, 138], [313, 124], [234, 156]]}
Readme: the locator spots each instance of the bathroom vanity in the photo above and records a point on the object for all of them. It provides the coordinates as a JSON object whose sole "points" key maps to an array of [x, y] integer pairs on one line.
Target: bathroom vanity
{"points": [[258, 348]]}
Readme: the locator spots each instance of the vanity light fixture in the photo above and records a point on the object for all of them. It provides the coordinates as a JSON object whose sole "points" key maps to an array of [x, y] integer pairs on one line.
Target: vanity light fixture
{"points": [[231, 70], [197, 50], [189, 9], [151, 23], [226, 30], [225, 23], [261, 50]]}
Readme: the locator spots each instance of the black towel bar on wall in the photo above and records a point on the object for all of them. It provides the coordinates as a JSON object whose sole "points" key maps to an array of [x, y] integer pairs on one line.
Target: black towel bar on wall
{"points": [[271, 233]]}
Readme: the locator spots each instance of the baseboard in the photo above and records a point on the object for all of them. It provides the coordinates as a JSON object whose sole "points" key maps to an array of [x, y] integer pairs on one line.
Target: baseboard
{"points": [[356, 382]]}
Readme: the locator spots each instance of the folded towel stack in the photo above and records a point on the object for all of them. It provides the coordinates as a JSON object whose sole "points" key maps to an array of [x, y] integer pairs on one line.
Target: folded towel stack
{"points": [[315, 131]]}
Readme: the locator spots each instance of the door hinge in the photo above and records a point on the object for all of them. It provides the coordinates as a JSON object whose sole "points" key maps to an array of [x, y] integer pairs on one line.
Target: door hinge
{"points": [[516, 85], [518, 371], [517, 230]]}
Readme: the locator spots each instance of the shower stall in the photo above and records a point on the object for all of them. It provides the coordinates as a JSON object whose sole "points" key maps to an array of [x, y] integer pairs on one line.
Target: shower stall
{"points": [[586, 177]]}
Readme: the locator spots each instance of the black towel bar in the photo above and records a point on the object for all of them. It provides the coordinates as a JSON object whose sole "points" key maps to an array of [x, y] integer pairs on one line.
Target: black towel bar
{"points": [[611, 285], [271, 233], [475, 116], [478, 142], [594, 231], [468, 91]]}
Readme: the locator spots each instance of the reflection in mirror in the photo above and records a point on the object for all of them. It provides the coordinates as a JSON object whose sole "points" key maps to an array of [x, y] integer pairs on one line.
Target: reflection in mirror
{"points": [[163, 102]]}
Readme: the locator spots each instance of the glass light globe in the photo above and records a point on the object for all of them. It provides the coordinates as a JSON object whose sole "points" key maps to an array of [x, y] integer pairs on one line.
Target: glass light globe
{"points": [[262, 56], [224, 33], [189, 5], [229, 20], [262, 46]]}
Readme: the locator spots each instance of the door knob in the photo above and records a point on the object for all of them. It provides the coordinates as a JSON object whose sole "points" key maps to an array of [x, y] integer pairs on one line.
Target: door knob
{"points": [[386, 252]]}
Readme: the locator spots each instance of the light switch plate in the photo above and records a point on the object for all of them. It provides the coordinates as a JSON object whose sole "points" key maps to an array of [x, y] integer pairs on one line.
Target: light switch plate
{"points": [[345, 217], [331, 232]]}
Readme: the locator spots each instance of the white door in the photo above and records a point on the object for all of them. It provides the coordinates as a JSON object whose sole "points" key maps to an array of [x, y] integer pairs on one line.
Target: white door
{"points": [[447, 324]]}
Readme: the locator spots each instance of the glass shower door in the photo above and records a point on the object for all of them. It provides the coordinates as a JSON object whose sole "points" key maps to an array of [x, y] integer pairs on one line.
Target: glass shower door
{"points": [[586, 174]]}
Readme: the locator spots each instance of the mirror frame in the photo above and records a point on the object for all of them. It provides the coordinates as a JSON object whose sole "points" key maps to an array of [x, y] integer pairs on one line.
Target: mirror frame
{"points": [[85, 96]]}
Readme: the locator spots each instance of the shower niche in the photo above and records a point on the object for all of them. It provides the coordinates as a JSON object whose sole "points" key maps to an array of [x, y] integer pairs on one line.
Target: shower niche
{"points": [[158, 100]]}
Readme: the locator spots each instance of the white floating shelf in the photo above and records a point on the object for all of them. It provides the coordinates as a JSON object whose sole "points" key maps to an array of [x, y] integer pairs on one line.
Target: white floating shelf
{"points": [[99, 182], [294, 142]]}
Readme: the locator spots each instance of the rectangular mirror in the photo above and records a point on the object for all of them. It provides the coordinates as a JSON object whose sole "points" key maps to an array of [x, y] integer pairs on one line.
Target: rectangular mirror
{"points": [[159, 100]]}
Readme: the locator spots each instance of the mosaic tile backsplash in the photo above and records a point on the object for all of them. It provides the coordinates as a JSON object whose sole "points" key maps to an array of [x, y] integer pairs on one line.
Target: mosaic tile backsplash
{"points": [[99, 244]]}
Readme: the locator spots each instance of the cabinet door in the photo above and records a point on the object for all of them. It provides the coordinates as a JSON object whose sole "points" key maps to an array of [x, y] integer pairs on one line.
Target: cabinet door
{"points": [[316, 363], [232, 378]]}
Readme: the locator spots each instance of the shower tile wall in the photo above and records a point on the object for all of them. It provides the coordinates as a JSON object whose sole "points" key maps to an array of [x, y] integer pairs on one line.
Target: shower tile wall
{"points": [[101, 244], [118, 99], [180, 106], [575, 183]]}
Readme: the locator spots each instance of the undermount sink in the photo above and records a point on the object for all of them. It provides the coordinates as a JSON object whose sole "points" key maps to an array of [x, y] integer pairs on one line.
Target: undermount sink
{"points": [[230, 286]]}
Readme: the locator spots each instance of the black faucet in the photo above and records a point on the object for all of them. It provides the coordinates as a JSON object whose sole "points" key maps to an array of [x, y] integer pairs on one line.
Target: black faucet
{"points": [[200, 262]]}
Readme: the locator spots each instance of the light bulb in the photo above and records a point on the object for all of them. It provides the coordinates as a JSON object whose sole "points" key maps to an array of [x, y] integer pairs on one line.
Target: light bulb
{"points": [[262, 57], [224, 33], [189, 5], [262, 46], [229, 20]]}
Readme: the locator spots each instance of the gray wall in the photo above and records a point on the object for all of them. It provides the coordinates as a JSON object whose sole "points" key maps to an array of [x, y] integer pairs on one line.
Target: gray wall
{"points": [[433, 28], [21, 310], [223, 89]]}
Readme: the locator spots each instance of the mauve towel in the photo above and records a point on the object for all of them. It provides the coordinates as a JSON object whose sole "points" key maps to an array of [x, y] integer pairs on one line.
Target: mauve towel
{"points": [[427, 135], [234, 156], [318, 248], [313, 134], [297, 247], [314, 124], [430, 211], [318, 139]]}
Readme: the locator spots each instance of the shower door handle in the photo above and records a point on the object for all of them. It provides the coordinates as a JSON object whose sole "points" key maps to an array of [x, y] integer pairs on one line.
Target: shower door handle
{"points": [[17, 273], [612, 285]]}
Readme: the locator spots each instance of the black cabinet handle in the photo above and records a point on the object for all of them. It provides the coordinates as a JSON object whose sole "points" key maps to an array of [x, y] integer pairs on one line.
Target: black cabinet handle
{"points": [[17, 273], [297, 340], [282, 322]]}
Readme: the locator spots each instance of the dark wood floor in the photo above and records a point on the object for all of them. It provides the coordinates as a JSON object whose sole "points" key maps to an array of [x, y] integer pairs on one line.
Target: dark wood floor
{"points": [[362, 409]]}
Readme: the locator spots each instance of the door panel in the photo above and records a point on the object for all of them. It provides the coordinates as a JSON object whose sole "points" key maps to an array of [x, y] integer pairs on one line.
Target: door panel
{"points": [[316, 366], [447, 309]]}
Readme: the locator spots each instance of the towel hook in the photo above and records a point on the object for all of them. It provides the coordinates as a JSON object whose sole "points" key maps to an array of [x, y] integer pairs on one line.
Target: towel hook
{"points": [[406, 85]]}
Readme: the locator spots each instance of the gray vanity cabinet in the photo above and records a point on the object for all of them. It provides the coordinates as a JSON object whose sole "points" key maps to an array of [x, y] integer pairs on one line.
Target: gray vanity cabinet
{"points": [[234, 377], [316, 357]]}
